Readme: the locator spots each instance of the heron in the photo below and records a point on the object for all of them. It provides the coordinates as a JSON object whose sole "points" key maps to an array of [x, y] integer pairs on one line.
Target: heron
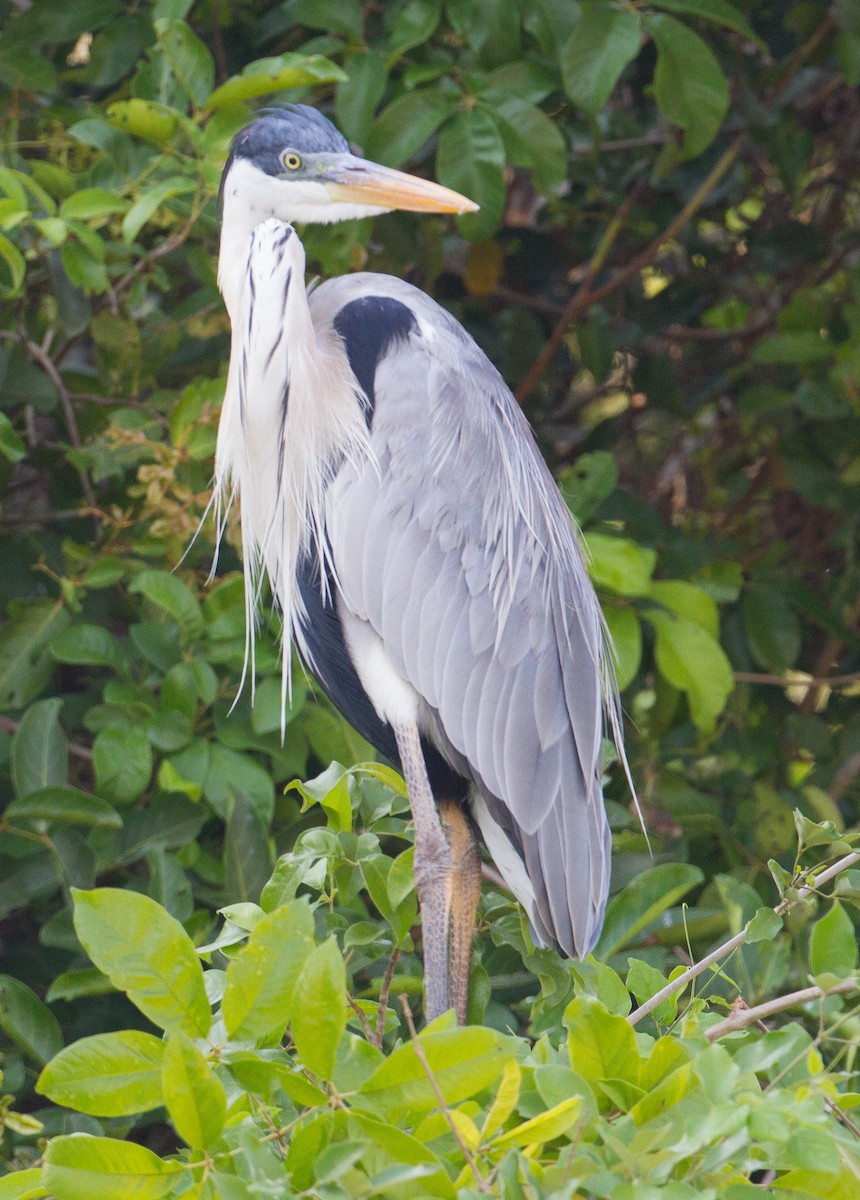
{"points": [[426, 568]]}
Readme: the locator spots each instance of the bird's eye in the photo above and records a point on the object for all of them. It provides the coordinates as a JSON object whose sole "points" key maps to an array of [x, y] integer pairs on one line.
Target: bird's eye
{"points": [[291, 160]]}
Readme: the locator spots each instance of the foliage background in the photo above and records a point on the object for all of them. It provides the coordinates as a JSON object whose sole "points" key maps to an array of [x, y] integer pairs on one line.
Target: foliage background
{"points": [[665, 265]]}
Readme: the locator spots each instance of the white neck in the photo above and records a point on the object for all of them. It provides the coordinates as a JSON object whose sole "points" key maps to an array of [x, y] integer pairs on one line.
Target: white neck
{"points": [[250, 197]]}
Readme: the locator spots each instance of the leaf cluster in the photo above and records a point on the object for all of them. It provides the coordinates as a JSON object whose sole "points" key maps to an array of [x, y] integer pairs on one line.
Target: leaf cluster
{"points": [[669, 199]]}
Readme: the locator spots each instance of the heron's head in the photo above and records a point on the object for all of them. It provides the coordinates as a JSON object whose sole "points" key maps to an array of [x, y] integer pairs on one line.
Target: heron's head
{"points": [[291, 163]]}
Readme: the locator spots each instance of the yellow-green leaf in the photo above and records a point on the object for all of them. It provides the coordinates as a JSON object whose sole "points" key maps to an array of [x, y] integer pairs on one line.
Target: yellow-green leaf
{"points": [[193, 1093]]}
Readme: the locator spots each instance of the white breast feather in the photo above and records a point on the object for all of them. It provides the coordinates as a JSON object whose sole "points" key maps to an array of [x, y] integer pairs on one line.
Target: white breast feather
{"points": [[290, 419]]}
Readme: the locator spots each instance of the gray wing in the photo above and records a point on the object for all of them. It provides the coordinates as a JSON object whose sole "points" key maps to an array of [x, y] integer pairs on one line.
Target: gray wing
{"points": [[461, 555]]}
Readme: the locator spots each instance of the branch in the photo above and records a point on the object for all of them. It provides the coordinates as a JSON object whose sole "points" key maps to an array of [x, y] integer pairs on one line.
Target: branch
{"points": [[741, 1018], [365, 1024], [583, 298], [828, 681], [678, 985], [481, 1182], [38, 355], [7, 725], [383, 995]]}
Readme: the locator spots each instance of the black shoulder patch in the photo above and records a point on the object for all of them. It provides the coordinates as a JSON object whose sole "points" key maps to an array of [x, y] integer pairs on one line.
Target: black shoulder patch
{"points": [[368, 328]]}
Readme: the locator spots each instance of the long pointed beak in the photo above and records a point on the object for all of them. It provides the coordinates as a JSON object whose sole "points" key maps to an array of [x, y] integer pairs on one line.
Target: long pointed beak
{"points": [[358, 181]]}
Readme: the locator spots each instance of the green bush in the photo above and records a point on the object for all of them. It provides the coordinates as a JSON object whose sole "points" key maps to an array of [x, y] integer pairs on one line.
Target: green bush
{"points": [[666, 267]]}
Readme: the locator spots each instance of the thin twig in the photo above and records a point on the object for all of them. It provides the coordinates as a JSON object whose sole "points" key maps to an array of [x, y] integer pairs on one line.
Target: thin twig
{"points": [[678, 985], [383, 995], [8, 725], [694, 333], [365, 1024], [741, 1018], [828, 681], [481, 1182], [38, 355], [9, 520], [841, 1116], [828, 657], [583, 298], [845, 776], [117, 402], [166, 247]]}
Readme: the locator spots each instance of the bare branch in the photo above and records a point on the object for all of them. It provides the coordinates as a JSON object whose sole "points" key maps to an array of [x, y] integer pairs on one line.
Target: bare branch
{"points": [[39, 356], [384, 993], [829, 681], [741, 1018], [678, 985]]}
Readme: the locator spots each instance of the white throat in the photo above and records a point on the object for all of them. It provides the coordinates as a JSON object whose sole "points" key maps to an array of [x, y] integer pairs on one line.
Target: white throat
{"points": [[249, 198]]}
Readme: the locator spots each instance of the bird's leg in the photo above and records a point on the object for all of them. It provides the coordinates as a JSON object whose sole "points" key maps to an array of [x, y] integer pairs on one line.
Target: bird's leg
{"points": [[432, 870], [464, 892]]}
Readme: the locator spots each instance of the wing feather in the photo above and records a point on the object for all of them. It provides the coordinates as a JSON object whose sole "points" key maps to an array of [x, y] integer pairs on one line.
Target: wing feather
{"points": [[467, 567]]}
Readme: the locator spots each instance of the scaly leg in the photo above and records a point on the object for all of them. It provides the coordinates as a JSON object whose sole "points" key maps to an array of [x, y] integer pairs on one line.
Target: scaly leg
{"points": [[464, 892], [432, 870]]}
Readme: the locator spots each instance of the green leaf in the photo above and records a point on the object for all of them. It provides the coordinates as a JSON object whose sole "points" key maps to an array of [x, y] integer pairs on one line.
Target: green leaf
{"points": [[716, 11], [796, 347], [544, 1127], [262, 978], [83, 981], [688, 601], [173, 597], [833, 944], [122, 759], [91, 202], [619, 564], [642, 901], [40, 749], [463, 1061], [345, 17], [193, 1093], [470, 158], [603, 42], [13, 277], [79, 1167], [22, 1185], [27, 1021], [772, 628], [85, 269], [532, 140], [602, 1046], [645, 981], [146, 953], [415, 24], [149, 202], [690, 659], [764, 926], [331, 791], [268, 75], [406, 124], [689, 84], [156, 123], [12, 447], [247, 856], [90, 645], [318, 1027], [590, 481], [357, 97], [625, 630], [64, 806], [108, 1075], [189, 58], [25, 665]]}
